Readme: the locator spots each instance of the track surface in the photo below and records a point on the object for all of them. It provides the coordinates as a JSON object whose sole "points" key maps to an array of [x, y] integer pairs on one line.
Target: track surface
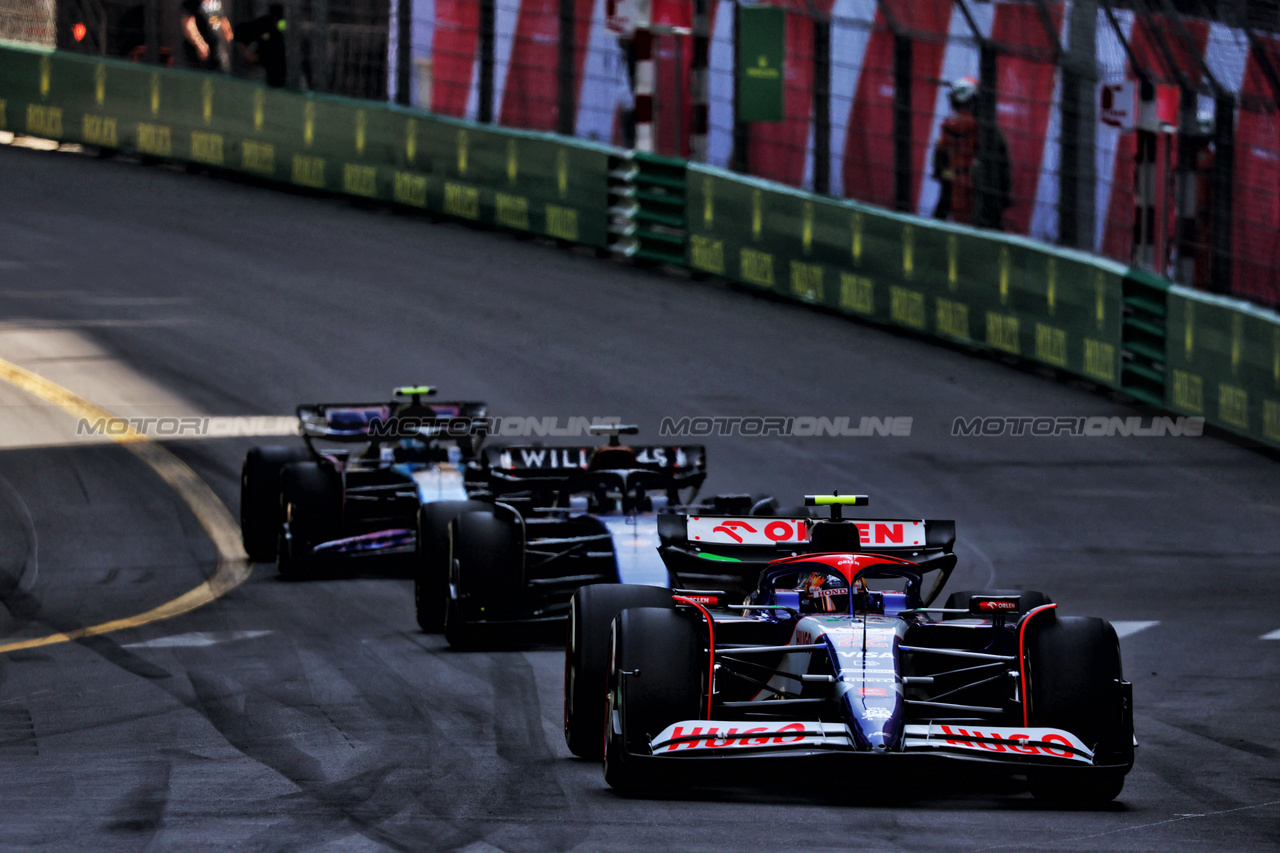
{"points": [[316, 716]]}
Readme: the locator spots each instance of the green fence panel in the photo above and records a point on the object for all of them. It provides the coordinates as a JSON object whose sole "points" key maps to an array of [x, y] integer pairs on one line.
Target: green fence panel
{"points": [[1002, 293], [511, 179], [1223, 359]]}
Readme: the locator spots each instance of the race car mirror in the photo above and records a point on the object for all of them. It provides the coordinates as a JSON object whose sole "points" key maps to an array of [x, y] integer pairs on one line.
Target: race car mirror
{"points": [[992, 605]]}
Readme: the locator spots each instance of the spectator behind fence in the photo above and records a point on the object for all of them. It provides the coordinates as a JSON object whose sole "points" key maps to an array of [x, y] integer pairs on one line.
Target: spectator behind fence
{"points": [[958, 168], [206, 35], [261, 42]]}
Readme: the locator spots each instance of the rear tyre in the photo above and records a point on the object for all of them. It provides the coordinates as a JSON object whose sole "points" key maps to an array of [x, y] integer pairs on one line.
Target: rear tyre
{"points": [[261, 512], [1074, 675], [431, 572], [586, 658], [486, 576], [1029, 599], [311, 497], [657, 676]]}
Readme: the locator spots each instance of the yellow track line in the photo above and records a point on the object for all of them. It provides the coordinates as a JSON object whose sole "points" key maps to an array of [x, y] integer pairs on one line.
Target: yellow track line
{"points": [[233, 566]]}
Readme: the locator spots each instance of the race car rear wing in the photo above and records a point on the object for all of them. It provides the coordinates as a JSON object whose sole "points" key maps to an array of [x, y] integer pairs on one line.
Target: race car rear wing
{"points": [[386, 421], [724, 534], [557, 472], [729, 552], [543, 462]]}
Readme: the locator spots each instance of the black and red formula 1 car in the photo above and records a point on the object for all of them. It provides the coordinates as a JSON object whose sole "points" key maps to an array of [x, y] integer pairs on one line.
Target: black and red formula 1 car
{"points": [[838, 655]]}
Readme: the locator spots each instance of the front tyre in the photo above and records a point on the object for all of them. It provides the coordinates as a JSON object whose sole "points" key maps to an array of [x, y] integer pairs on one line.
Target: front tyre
{"points": [[1075, 683], [261, 512], [431, 571], [311, 497], [486, 576], [586, 658], [657, 676]]}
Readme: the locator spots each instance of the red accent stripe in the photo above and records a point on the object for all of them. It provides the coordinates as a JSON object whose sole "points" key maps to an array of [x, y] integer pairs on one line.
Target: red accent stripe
{"points": [[1022, 657], [711, 638]]}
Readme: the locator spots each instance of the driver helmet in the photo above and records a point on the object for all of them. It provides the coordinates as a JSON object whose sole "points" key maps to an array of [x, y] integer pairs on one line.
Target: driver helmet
{"points": [[963, 91], [823, 592]]}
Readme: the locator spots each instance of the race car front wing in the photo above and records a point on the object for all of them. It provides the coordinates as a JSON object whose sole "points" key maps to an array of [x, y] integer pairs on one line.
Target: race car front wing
{"points": [[1007, 744]]}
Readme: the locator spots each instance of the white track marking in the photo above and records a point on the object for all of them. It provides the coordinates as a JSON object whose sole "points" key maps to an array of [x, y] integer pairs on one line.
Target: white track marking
{"points": [[196, 639], [1274, 635], [1125, 629]]}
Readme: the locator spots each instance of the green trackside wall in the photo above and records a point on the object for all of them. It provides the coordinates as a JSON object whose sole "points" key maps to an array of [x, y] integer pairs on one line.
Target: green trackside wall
{"points": [[1224, 363], [1064, 309], [521, 181], [1006, 294], [1211, 357]]}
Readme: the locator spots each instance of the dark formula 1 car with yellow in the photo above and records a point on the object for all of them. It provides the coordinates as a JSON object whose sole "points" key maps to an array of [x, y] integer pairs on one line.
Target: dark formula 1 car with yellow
{"points": [[354, 487], [839, 655]]}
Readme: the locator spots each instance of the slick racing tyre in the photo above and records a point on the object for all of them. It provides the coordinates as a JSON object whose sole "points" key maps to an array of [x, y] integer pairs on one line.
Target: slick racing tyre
{"points": [[657, 676], [1074, 674], [261, 512], [312, 500], [586, 658], [1028, 600], [486, 575], [431, 569]]}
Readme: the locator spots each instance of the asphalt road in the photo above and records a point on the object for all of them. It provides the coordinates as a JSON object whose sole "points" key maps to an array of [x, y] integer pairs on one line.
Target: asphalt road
{"points": [[317, 717]]}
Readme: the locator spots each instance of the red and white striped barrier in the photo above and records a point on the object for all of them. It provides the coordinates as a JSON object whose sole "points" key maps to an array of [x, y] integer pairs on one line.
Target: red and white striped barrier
{"points": [[644, 76]]}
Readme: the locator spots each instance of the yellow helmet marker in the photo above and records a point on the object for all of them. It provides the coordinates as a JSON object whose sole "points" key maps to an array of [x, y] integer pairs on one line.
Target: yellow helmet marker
{"points": [[414, 391], [836, 500]]}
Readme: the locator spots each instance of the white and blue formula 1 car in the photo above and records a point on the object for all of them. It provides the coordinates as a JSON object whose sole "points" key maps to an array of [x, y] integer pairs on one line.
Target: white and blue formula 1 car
{"points": [[837, 656]]}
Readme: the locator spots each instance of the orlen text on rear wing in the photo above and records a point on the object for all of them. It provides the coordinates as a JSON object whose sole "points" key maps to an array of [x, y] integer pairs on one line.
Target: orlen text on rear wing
{"points": [[729, 551], [723, 532]]}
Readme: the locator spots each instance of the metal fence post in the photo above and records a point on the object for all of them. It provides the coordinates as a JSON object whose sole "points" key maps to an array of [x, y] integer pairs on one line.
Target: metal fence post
{"points": [[821, 104], [741, 139], [644, 76], [484, 110], [320, 46], [1184, 194], [700, 81], [984, 204], [293, 44], [1223, 169], [1078, 175], [565, 87], [902, 66], [151, 25], [404, 50]]}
